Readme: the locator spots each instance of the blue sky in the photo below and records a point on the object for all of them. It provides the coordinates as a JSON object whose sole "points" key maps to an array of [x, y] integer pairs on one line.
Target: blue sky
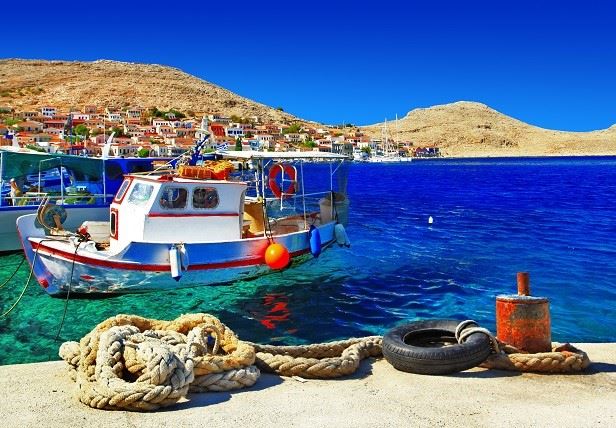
{"points": [[549, 63]]}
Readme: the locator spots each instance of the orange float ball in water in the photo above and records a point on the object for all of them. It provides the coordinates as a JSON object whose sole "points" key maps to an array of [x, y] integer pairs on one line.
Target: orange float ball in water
{"points": [[277, 256]]}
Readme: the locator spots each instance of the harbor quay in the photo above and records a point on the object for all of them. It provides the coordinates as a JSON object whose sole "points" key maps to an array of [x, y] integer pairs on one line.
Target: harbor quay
{"points": [[377, 395]]}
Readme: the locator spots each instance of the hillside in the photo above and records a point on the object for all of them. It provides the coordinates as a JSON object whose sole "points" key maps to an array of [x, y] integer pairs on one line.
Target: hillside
{"points": [[473, 129], [459, 129], [26, 84]]}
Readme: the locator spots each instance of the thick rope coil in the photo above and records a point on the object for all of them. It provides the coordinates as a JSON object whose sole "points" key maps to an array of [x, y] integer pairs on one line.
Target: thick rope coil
{"points": [[320, 361], [563, 359], [133, 363], [165, 380]]}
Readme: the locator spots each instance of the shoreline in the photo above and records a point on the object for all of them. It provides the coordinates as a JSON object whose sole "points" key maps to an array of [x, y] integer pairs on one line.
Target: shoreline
{"points": [[42, 394]]}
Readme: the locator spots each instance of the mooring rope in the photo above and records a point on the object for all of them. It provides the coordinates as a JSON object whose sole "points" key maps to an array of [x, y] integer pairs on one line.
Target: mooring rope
{"points": [[23, 292], [23, 259], [562, 359], [134, 363]]}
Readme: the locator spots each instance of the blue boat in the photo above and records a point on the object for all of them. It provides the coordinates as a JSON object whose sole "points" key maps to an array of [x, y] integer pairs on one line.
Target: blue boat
{"points": [[83, 186]]}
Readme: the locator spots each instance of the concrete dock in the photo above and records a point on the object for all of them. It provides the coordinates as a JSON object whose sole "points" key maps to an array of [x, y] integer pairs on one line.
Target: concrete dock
{"points": [[42, 395]]}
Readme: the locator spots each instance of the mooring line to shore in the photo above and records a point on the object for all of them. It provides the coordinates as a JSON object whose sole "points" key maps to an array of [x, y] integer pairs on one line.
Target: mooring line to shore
{"points": [[23, 259]]}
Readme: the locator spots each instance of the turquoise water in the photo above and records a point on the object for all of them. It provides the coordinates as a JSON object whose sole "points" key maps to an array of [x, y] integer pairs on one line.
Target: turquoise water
{"points": [[555, 218]]}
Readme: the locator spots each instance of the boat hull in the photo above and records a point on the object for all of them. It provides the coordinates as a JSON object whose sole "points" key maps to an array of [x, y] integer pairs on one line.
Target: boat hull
{"points": [[145, 267]]}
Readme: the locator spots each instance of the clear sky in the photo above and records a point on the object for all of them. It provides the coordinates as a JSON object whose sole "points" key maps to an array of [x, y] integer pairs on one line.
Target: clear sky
{"points": [[549, 63]]}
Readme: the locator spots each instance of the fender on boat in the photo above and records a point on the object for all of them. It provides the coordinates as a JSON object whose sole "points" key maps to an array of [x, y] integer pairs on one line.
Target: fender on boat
{"points": [[178, 261], [315, 241], [341, 236]]}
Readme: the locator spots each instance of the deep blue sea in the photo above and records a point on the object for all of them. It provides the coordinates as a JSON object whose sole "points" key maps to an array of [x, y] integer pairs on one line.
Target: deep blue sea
{"points": [[555, 218]]}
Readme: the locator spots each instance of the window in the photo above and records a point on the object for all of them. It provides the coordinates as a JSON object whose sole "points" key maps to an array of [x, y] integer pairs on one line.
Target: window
{"points": [[122, 190], [113, 224], [173, 197], [205, 197], [141, 193]]}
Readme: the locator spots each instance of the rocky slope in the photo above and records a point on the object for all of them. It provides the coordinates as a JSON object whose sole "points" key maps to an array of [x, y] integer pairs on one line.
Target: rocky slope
{"points": [[26, 84], [460, 129], [473, 129]]}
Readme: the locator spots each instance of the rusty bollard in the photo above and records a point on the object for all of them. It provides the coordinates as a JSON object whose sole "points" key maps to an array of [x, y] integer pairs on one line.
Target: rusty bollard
{"points": [[522, 320]]}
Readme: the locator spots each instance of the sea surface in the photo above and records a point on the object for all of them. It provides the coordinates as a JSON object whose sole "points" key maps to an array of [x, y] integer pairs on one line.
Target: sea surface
{"points": [[555, 218]]}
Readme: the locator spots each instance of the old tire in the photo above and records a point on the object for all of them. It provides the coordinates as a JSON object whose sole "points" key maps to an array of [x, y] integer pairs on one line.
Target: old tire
{"points": [[430, 347]]}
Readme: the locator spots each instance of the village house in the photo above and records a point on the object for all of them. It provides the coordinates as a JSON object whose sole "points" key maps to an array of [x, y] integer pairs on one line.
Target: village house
{"points": [[185, 132], [48, 111], [123, 150], [219, 118], [29, 115], [160, 122], [235, 131], [266, 141], [293, 138], [114, 117], [29, 126], [54, 123], [133, 113], [90, 109]]}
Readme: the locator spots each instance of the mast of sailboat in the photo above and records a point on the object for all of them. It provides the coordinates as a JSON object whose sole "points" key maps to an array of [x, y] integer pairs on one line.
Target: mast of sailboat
{"points": [[396, 142]]}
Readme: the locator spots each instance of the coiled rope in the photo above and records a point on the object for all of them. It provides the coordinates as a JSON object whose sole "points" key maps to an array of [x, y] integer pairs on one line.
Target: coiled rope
{"points": [[134, 363]]}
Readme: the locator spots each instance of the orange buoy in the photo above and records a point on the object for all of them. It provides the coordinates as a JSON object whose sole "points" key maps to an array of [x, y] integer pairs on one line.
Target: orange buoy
{"points": [[522, 320], [277, 256]]}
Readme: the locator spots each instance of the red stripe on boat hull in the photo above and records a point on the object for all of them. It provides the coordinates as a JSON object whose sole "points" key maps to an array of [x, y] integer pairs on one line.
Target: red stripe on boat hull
{"points": [[77, 258]]}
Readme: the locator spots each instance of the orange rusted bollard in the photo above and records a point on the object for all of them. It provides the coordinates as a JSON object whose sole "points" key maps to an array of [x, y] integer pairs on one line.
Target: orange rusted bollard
{"points": [[523, 321]]}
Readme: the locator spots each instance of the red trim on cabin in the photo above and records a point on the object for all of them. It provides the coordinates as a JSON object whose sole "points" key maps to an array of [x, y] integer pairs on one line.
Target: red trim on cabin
{"points": [[70, 256], [172, 214]]}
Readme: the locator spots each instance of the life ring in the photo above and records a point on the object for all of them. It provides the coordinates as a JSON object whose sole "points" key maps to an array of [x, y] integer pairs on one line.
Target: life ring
{"points": [[417, 347], [281, 169]]}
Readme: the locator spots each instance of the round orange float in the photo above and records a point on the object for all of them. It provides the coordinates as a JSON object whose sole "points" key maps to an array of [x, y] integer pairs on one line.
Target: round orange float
{"points": [[277, 256]]}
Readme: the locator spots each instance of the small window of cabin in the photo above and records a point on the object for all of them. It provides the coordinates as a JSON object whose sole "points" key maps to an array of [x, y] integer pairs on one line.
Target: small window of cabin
{"points": [[140, 194], [205, 198], [122, 190], [172, 197], [113, 224]]}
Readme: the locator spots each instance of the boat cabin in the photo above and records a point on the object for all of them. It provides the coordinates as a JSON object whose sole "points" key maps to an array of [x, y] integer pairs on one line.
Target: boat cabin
{"points": [[201, 210]]}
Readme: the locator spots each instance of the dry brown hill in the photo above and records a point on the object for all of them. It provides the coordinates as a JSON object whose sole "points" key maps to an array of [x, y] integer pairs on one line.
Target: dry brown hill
{"points": [[26, 84], [473, 129], [460, 129]]}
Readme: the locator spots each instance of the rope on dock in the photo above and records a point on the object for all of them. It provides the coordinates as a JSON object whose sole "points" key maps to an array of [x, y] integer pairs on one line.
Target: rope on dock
{"points": [[319, 361], [134, 363], [563, 359]]}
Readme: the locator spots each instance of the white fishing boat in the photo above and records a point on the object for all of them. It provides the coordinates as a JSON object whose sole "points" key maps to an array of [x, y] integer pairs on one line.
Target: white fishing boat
{"points": [[185, 228]]}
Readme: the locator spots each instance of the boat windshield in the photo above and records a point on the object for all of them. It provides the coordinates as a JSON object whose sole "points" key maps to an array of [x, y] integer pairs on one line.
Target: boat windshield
{"points": [[140, 194]]}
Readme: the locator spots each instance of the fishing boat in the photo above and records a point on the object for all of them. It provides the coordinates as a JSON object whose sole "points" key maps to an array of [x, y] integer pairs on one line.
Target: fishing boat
{"points": [[194, 226], [83, 186]]}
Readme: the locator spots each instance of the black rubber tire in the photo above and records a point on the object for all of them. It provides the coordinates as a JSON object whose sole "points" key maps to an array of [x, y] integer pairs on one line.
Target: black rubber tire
{"points": [[408, 349]]}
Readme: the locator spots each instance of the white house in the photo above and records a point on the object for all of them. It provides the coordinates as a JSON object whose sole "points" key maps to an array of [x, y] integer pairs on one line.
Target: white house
{"points": [[48, 111], [235, 131]]}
